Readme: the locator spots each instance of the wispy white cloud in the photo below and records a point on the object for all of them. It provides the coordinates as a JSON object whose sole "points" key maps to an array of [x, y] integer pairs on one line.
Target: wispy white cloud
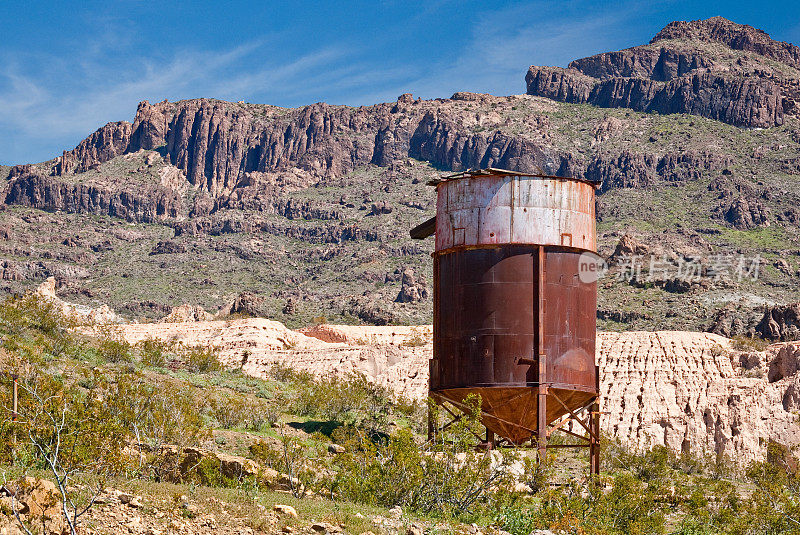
{"points": [[507, 41], [49, 104]]}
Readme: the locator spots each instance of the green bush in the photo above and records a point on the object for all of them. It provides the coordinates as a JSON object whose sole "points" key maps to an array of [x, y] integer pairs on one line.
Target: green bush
{"points": [[444, 476], [629, 508], [203, 360], [115, 350], [353, 401], [237, 412], [153, 352]]}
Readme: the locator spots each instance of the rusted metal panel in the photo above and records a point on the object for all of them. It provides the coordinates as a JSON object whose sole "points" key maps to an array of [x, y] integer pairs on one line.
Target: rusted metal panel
{"points": [[487, 318], [489, 210]]}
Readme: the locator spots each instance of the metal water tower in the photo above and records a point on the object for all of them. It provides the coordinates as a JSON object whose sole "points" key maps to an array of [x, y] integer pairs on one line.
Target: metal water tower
{"points": [[515, 300]]}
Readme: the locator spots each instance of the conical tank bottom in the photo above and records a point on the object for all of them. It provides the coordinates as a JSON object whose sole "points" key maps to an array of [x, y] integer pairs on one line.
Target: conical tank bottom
{"points": [[512, 412]]}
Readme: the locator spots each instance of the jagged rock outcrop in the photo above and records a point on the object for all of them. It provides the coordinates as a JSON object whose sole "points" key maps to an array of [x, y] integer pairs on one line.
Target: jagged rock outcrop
{"points": [[412, 288], [438, 139], [775, 322], [630, 169], [669, 76], [147, 205], [735, 36], [105, 143], [168, 247], [744, 213], [216, 143], [246, 157], [82, 313], [246, 303], [628, 247], [780, 322], [735, 319], [186, 313]]}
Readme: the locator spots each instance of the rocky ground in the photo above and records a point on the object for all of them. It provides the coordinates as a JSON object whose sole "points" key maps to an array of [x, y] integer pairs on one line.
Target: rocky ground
{"points": [[161, 509], [308, 209]]}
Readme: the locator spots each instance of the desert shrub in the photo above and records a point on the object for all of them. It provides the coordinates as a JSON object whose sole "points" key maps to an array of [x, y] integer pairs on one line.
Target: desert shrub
{"points": [[262, 415], [774, 507], [414, 411], [630, 507], [61, 428], [36, 330], [203, 360], [302, 464], [155, 413], [229, 413], [378, 473], [352, 400], [536, 473], [444, 476], [153, 352], [237, 412], [418, 339], [114, 349], [207, 472], [285, 374], [749, 343], [265, 454]]}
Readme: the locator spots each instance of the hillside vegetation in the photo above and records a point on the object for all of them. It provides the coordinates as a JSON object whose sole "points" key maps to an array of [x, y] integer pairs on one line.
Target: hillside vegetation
{"points": [[168, 424]]}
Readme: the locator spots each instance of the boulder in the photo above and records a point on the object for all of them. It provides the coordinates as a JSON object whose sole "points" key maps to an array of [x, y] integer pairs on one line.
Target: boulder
{"points": [[186, 314], [412, 289], [287, 510], [37, 501]]}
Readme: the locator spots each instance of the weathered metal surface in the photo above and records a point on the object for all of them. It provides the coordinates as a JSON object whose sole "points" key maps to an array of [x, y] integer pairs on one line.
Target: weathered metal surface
{"points": [[424, 229], [487, 318], [515, 209], [513, 321]]}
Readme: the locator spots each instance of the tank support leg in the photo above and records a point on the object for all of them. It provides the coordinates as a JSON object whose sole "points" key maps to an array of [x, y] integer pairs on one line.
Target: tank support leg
{"points": [[594, 424], [541, 431], [431, 423], [594, 439]]}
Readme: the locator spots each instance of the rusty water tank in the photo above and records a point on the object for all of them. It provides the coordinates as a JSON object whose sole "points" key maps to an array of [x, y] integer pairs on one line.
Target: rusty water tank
{"points": [[512, 310]]}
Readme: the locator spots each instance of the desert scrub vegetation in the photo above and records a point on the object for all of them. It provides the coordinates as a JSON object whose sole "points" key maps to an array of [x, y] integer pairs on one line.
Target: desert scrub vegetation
{"points": [[749, 343], [444, 476], [88, 416]]}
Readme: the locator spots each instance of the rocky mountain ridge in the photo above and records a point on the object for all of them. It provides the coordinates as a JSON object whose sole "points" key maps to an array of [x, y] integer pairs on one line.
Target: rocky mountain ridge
{"points": [[197, 201], [713, 68]]}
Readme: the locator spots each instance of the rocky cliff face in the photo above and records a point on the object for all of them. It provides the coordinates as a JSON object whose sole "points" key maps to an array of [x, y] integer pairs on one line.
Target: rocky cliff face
{"points": [[222, 147], [690, 392], [240, 158], [713, 68], [734, 36], [48, 193]]}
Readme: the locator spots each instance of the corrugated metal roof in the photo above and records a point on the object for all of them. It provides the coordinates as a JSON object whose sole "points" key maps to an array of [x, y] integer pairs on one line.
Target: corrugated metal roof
{"points": [[493, 171]]}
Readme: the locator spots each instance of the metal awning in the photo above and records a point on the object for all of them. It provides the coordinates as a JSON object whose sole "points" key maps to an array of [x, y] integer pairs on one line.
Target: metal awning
{"points": [[424, 230]]}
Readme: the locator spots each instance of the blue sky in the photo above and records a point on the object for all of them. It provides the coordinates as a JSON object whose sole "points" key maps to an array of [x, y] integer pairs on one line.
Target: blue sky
{"points": [[68, 67]]}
